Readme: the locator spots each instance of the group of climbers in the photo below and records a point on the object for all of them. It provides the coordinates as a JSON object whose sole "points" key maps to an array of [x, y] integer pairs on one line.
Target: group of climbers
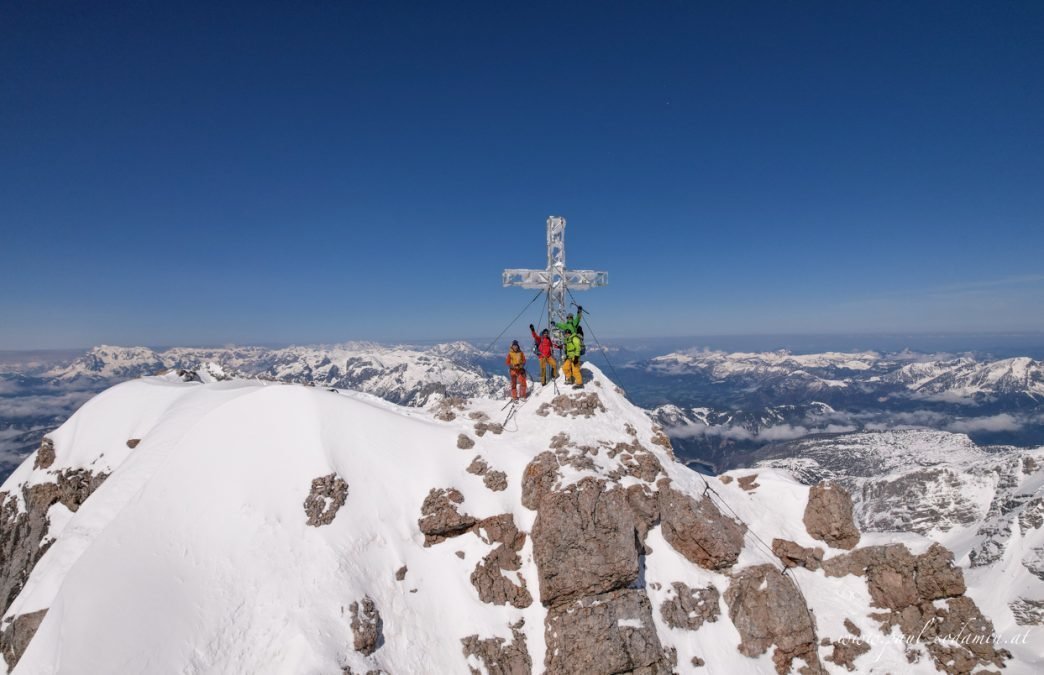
{"points": [[572, 344]]}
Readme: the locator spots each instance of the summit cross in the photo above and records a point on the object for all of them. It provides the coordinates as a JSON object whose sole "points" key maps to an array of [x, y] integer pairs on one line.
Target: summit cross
{"points": [[556, 279]]}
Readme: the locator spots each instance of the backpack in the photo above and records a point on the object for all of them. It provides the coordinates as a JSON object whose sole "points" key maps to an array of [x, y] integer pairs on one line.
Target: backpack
{"points": [[583, 347]]}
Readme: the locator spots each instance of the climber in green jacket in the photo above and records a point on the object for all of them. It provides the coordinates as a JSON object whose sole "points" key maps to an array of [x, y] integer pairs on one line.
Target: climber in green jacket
{"points": [[571, 364], [571, 324]]}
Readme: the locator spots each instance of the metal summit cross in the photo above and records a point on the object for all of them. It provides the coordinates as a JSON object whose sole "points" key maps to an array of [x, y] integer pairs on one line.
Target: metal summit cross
{"points": [[556, 279]]}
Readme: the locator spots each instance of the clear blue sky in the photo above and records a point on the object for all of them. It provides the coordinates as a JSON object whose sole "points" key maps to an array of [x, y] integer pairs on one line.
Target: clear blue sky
{"points": [[260, 172]]}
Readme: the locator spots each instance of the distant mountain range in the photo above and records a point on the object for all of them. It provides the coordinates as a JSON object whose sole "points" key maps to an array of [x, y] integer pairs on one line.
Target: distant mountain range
{"points": [[36, 398], [724, 406], [719, 407]]}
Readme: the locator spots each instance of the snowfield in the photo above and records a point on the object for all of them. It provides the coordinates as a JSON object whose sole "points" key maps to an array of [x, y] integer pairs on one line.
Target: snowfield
{"points": [[195, 554]]}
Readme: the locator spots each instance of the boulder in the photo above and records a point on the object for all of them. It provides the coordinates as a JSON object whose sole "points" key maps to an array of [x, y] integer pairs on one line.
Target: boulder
{"points": [[440, 518], [585, 542], [367, 626], [828, 516], [698, 530], [327, 496], [768, 610]]}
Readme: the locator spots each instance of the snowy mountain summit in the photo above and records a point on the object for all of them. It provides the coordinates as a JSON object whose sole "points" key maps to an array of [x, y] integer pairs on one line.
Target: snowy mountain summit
{"points": [[258, 527]]}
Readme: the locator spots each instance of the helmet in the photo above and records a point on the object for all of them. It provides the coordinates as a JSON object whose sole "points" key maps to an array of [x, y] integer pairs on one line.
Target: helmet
{"points": [[514, 343]]}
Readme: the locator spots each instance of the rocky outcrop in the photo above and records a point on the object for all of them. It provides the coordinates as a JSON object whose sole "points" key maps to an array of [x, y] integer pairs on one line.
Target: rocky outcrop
{"points": [[768, 610], [608, 633], [828, 516], [489, 578], [482, 427], [24, 524], [464, 442], [690, 608], [572, 405], [846, 650], [494, 480], [16, 634], [446, 409], [923, 596], [327, 496], [585, 541], [367, 626], [749, 483], [499, 656], [794, 555], [1028, 612], [698, 530], [440, 518], [45, 454]]}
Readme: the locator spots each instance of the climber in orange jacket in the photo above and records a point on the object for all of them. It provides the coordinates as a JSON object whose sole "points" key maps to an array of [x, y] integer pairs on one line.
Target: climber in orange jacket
{"points": [[516, 362]]}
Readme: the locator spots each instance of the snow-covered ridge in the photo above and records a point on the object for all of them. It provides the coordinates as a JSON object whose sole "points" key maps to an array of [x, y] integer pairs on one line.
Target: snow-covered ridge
{"points": [[260, 527], [402, 374], [924, 375]]}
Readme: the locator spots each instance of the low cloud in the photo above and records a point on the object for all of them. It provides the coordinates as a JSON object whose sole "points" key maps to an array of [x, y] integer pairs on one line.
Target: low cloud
{"points": [[779, 432], [1001, 422]]}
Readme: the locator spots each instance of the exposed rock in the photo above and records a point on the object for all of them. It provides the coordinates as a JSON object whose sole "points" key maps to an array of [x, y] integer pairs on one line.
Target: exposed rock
{"points": [[489, 580], [852, 628], [133, 443], [828, 516], [1028, 612], [478, 466], [794, 555], [440, 518], [45, 454], [572, 405], [23, 528], [725, 479], [608, 633], [499, 656], [924, 598], [478, 416], [559, 440], [937, 576], [400, 573], [691, 607], [748, 482], [444, 409], [663, 440], [496, 481], [584, 542], [538, 479], [767, 609], [1032, 515], [367, 626], [698, 530], [328, 495], [846, 650], [482, 427], [464, 442], [697, 662], [16, 635]]}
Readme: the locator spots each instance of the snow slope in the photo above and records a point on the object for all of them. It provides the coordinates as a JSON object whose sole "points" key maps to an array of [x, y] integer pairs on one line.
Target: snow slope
{"points": [[195, 556]]}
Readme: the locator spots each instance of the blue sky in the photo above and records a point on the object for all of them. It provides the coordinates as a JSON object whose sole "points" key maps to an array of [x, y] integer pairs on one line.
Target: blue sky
{"points": [[176, 173]]}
